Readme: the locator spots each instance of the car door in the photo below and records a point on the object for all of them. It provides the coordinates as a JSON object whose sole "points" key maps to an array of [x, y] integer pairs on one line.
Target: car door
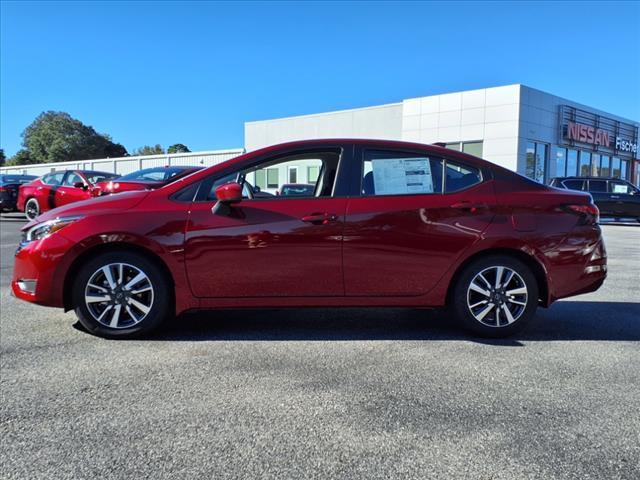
{"points": [[402, 233], [601, 197], [625, 199], [269, 246], [45, 192], [67, 192]]}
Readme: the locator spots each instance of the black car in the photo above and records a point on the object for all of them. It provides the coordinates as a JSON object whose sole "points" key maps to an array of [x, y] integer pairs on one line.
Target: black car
{"points": [[9, 185], [614, 197]]}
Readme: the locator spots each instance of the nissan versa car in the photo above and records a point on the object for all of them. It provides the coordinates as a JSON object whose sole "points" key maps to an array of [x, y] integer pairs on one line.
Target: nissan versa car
{"points": [[387, 224], [59, 188]]}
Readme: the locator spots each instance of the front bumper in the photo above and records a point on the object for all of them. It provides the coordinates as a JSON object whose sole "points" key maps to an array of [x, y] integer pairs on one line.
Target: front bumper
{"points": [[39, 270]]}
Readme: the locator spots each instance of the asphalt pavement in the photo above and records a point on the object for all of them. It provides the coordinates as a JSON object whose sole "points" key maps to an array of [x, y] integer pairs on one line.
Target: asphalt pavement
{"points": [[326, 393]]}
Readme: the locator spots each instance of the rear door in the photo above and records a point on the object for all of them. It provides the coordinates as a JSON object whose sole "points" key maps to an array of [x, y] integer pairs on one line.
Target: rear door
{"points": [[601, 197], [414, 215]]}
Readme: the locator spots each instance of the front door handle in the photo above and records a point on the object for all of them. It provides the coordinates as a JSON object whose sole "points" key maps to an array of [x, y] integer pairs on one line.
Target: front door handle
{"points": [[615, 196], [320, 218]]}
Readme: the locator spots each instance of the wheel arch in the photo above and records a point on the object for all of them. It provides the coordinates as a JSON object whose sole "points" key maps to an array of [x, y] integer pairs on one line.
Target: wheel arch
{"points": [[529, 260], [113, 247]]}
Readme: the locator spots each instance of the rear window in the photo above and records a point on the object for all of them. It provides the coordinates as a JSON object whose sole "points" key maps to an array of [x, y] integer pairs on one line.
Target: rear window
{"points": [[16, 178]]}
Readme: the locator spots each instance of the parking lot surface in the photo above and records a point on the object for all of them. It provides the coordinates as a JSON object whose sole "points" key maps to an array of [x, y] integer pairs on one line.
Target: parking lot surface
{"points": [[327, 393]]}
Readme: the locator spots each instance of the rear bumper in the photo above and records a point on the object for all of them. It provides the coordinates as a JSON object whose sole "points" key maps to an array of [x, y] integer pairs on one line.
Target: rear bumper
{"points": [[7, 201], [579, 264]]}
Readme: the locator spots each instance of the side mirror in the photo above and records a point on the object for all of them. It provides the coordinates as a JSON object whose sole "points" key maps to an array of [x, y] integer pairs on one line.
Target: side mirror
{"points": [[227, 194], [80, 185]]}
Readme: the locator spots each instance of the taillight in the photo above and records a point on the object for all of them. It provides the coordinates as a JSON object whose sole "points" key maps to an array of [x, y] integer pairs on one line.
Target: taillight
{"points": [[2, 189], [589, 213]]}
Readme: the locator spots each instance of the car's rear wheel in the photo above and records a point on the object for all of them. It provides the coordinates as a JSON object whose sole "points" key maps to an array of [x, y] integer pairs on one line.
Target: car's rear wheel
{"points": [[32, 208], [121, 295], [495, 296]]}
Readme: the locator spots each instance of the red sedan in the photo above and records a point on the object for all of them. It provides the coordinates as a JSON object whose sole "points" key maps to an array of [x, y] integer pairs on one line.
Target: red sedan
{"points": [[59, 188], [388, 224], [146, 179]]}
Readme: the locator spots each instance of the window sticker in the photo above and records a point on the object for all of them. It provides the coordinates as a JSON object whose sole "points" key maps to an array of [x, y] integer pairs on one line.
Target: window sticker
{"points": [[617, 188], [398, 176]]}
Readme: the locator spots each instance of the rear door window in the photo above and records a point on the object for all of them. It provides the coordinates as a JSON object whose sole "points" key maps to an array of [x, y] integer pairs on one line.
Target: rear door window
{"points": [[597, 186], [620, 188], [573, 184], [459, 177], [399, 173]]}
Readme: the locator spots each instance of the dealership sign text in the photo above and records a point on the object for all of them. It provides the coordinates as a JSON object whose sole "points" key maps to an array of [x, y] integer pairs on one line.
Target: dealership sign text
{"points": [[586, 134]]}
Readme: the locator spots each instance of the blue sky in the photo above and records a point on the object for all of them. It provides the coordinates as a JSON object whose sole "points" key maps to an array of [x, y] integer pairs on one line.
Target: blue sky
{"points": [[164, 72]]}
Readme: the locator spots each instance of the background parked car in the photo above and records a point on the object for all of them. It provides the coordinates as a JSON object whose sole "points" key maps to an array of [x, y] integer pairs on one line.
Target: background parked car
{"points": [[9, 185], [614, 197], [145, 179], [296, 189], [59, 188]]}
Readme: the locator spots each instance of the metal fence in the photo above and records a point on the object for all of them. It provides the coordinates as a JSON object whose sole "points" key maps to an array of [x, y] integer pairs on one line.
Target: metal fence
{"points": [[124, 165]]}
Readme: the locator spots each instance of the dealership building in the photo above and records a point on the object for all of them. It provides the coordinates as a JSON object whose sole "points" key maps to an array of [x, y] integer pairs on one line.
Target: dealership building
{"points": [[526, 130]]}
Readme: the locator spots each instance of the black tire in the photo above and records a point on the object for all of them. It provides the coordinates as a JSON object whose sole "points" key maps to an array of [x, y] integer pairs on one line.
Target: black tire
{"points": [[464, 297], [31, 208], [158, 301]]}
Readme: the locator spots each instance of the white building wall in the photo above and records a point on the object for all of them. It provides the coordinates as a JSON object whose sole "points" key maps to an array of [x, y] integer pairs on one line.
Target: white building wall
{"points": [[384, 121], [489, 115], [124, 165]]}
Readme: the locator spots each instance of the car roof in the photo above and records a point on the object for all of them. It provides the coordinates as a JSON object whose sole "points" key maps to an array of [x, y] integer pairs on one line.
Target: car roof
{"points": [[588, 178]]}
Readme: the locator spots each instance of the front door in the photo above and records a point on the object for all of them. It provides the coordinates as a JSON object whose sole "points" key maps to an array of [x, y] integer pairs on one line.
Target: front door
{"points": [[68, 193], [270, 246], [402, 233]]}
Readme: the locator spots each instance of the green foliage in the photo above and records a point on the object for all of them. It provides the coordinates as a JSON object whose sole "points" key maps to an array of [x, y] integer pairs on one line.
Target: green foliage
{"points": [[58, 137], [149, 150], [21, 158], [3, 158], [178, 148]]}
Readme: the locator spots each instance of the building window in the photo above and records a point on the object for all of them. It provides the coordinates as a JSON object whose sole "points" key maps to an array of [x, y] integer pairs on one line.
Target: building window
{"points": [[536, 161], [605, 169], [561, 162], [572, 163], [293, 174], [313, 173], [615, 167], [273, 177], [595, 165], [261, 180], [584, 168], [472, 148], [624, 169], [453, 146]]}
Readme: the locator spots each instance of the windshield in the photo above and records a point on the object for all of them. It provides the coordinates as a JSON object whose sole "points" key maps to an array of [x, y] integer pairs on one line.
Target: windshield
{"points": [[95, 177], [157, 174]]}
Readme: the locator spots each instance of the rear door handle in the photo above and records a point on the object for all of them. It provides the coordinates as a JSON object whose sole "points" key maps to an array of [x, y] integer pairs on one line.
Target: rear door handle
{"points": [[472, 207], [615, 196], [320, 218]]}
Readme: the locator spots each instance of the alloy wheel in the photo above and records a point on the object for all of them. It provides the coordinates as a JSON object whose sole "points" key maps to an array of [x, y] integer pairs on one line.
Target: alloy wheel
{"points": [[497, 296], [32, 209], [119, 295]]}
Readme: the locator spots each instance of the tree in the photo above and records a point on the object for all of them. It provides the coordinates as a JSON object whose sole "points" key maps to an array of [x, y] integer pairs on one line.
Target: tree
{"points": [[21, 158], [3, 158], [149, 150], [178, 148], [57, 137]]}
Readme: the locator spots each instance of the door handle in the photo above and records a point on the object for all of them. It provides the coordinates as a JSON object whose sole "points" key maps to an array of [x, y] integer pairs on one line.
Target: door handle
{"points": [[472, 207], [320, 218], [615, 196]]}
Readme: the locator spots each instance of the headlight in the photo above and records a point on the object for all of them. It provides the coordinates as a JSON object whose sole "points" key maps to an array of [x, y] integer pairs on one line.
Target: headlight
{"points": [[42, 230]]}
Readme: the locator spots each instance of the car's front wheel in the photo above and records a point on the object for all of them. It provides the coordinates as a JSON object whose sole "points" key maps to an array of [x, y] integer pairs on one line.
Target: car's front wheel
{"points": [[32, 208], [495, 296], [121, 295]]}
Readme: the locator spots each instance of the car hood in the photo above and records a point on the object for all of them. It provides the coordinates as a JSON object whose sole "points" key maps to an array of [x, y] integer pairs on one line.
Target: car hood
{"points": [[93, 206]]}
